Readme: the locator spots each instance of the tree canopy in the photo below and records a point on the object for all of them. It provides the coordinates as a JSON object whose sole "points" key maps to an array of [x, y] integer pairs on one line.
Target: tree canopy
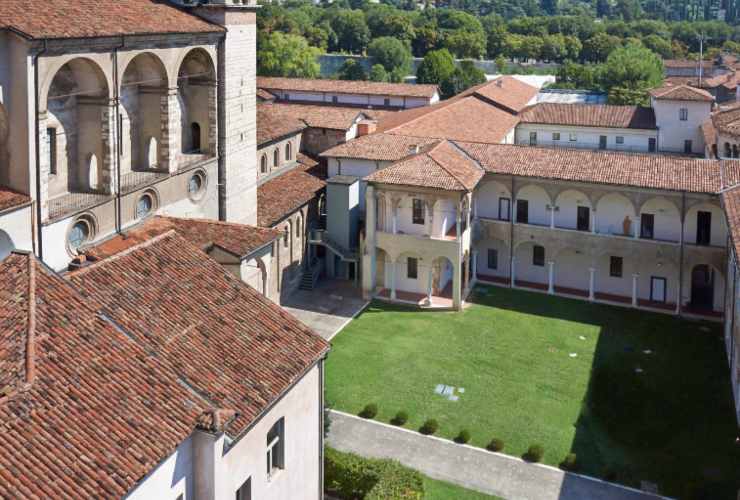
{"points": [[287, 55]]}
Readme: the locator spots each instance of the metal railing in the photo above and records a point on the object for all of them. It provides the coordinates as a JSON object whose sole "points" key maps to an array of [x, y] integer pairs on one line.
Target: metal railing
{"points": [[74, 202], [137, 179], [321, 236]]}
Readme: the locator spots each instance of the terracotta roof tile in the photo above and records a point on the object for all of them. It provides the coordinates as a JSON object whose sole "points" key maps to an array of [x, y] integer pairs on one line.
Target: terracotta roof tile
{"points": [[11, 199], [507, 92], [100, 411], [686, 63], [601, 167], [731, 204], [681, 93], [589, 115], [283, 195], [273, 123], [709, 132], [263, 95], [379, 147], [347, 87], [95, 18], [239, 240], [319, 116], [727, 120], [223, 338], [440, 166]]}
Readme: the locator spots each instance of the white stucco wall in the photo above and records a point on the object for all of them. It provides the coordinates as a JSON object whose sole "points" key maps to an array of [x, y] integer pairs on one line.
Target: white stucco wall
{"points": [[173, 477], [355, 99], [586, 137], [16, 231], [672, 132]]}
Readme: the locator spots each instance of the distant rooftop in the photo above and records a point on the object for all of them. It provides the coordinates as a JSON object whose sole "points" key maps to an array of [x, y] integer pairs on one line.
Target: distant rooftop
{"points": [[346, 87], [567, 96]]}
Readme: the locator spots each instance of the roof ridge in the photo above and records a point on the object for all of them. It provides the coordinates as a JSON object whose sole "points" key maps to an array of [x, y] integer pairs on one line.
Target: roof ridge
{"points": [[213, 221], [31, 332], [167, 234], [442, 166]]}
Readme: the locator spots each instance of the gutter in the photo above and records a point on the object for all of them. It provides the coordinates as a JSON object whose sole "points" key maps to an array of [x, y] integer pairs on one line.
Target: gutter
{"points": [[37, 141]]}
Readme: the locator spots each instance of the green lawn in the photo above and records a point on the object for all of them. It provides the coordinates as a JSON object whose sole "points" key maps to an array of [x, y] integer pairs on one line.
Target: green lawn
{"points": [[439, 490], [671, 423]]}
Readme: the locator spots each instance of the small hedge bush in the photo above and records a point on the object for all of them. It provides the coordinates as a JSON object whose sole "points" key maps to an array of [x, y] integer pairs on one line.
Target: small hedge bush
{"points": [[570, 462], [349, 477], [463, 437], [369, 411], [429, 427], [401, 418], [495, 445], [534, 453]]}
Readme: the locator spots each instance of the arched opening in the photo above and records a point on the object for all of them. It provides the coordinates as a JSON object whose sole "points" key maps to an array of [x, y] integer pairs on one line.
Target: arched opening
{"points": [[276, 158], [143, 88], [728, 150], [493, 201], [571, 271], [381, 214], [381, 269], [442, 275], [530, 265], [532, 204], [76, 148], [734, 150], [288, 152], [573, 210], [263, 164], [6, 245], [702, 287], [196, 80], [615, 215], [704, 225], [493, 260], [660, 220]]}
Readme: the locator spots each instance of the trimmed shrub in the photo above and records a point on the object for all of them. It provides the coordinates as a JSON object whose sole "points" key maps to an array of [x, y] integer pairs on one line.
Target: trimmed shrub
{"points": [[369, 411], [463, 437], [401, 418], [534, 453], [495, 445], [348, 476], [429, 427], [570, 462]]}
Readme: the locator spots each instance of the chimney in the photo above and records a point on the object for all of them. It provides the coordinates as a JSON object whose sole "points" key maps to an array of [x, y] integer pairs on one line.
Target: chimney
{"points": [[82, 260], [366, 127], [414, 149], [500, 82]]}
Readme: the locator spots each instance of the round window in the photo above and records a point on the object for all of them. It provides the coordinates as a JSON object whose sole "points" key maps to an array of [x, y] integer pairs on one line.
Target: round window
{"points": [[144, 206], [196, 183], [79, 234]]}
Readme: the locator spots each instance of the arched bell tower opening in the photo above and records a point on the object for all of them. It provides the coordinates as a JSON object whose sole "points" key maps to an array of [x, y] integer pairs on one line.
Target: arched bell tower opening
{"points": [[196, 83]]}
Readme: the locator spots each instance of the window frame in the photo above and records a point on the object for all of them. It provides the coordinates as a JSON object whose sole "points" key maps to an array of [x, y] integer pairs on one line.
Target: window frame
{"points": [[619, 140], [412, 263], [51, 139], [616, 266], [683, 114], [263, 163], [538, 260], [275, 449], [492, 258], [556, 136], [572, 137], [417, 212]]}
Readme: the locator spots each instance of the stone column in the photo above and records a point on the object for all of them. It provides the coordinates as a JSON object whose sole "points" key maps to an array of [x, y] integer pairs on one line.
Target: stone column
{"points": [[513, 272], [430, 280], [107, 179], [552, 217], [394, 212], [593, 221], [458, 221], [550, 277], [457, 285], [475, 208], [634, 289], [466, 274], [678, 300], [171, 130], [428, 211], [393, 280], [45, 170], [591, 273], [475, 266], [369, 258], [637, 228]]}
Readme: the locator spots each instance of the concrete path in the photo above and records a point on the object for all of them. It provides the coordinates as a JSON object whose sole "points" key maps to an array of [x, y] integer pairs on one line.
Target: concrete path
{"points": [[472, 468], [327, 308]]}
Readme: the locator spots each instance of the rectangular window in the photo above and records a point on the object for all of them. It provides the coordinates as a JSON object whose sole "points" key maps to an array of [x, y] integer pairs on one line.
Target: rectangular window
{"points": [[602, 142], [412, 268], [556, 136], [538, 256], [652, 144], [620, 139], [703, 227], [533, 138], [386, 102], [658, 288], [492, 258], [687, 146], [417, 212], [647, 226], [583, 218], [51, 139], [683, 114], [504, 209], [334, 99], [276, 448], [573, 137], [522, 211], [245, 490], [615, 267]]}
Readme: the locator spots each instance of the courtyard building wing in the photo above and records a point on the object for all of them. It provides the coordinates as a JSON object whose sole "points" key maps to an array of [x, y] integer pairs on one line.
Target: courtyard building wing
{"points": [[346, 87], [283, 195], [272, 124], [98, 18], [590, 115], [378, 147], [681, 93], [507, 92], [235, 347], [87, 411], [316, 115]]}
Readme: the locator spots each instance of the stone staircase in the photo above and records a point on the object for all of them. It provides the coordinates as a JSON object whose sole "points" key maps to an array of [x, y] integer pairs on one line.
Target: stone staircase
{"points": [[310, 276]]}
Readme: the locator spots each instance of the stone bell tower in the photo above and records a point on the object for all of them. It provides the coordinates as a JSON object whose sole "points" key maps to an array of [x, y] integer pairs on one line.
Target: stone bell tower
{"points": [[237, 103]]}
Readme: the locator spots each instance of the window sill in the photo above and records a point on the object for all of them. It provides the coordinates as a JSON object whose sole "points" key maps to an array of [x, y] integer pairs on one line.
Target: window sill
{"points": [[274, 474]]}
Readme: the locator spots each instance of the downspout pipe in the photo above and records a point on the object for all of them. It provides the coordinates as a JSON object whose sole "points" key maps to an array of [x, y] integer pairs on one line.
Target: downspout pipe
{"points": [[117, 132], [221, 110], [37, 145]]}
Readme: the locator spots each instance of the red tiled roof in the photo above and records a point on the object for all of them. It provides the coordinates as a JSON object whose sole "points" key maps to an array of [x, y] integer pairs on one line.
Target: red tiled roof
{"points": [[263, 95], [589, 115], [231, 344], [273, 124], [709, 133], [467, 119], [379, 147], [601, 167], [11, 199], [283, 195], [319, 116], [97, 18], [441, 166], [727, 120], [685, 63], [88, 412], [681, 93], [731, 204], [507, 92], [347, 87], [239, 240]]}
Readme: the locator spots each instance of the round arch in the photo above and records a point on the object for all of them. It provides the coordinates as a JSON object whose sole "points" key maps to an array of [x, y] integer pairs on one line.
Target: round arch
{"points": [[615, 214], [442, 274], [664, 216], [573, 210], [705, 287], [537, 200], [263, 274], [493, 257], [196, 76], [88, 75], [704, 225], [6, 244], [489, 202], [530, 262], [571, 269]]}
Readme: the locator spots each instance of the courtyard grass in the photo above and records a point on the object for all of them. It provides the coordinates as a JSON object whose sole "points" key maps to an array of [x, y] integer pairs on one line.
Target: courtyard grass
{"points": [[439, 490], [663, 416]]}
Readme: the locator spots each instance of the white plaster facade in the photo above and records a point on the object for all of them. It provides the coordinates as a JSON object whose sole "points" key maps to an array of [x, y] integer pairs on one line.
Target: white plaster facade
{"points": [[615, 139], [354, 99], [15, 230], [678, 122]]}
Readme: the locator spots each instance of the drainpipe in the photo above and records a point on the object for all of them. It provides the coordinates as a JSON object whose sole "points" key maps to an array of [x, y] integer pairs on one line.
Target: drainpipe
{"points": [[37, 145], [680, 261], [512, 210], [117, 130], [221, 119]]}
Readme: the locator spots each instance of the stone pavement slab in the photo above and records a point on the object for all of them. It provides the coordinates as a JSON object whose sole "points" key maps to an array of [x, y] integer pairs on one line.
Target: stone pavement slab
{"points": [[470, 467]]}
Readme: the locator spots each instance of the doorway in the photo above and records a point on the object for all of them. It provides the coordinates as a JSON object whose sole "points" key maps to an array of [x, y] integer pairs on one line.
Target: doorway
{"points": [[583, 218], [522, 211], [602, 142], [647, 226], [702, 287], [504, 208], [703, 227], [657, 289]]}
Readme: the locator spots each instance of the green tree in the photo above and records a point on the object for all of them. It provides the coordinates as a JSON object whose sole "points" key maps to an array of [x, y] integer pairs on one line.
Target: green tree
{"points": [[466, 75], [437, 66], [598, 47], [351, 70], [629, 72], [378, 73], [550, 7], [390, 53], [466, 44], [659, 45], [384, 20], [352, 33], [501, 64], [286, 55]]}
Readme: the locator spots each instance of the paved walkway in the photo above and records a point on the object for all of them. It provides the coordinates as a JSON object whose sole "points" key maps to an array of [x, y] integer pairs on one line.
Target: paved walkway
{"points": [[327, 308], [472, 468]]}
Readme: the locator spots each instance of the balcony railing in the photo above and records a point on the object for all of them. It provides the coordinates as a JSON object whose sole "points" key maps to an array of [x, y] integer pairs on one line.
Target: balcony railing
{"points": [[565, 143], [75, 202], [135, 180]]}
